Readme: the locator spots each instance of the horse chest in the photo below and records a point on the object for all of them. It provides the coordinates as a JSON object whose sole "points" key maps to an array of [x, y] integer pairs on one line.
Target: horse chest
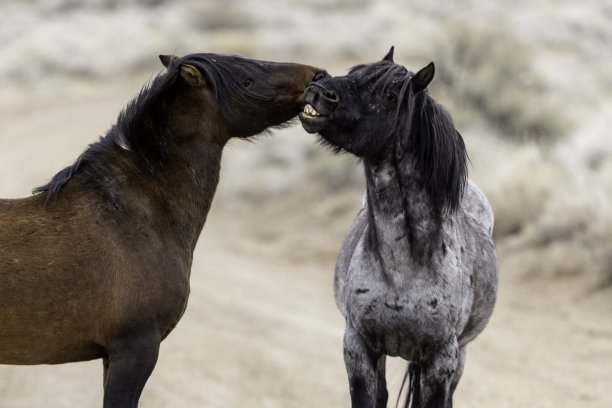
{"points": [[153, 293], [401, 316]]}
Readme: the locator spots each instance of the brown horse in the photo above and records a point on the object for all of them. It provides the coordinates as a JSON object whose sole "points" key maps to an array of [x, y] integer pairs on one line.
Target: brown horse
{"points": [[96, 263]]}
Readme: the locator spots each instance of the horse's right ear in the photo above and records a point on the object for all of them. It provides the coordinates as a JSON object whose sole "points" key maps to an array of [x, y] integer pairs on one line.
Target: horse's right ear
{"points": [[389, 56], [422, 78], [165, 59], [191, 75]]}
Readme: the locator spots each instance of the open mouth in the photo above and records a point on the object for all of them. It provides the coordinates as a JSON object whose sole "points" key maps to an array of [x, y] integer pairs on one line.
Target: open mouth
{"points": [[310, 112], [312, 120]]}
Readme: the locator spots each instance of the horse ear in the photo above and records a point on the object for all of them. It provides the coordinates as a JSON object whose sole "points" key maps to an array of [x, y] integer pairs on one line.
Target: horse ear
{"points": [[191, 75], [389, 56], [165, 59], [422, 78]]}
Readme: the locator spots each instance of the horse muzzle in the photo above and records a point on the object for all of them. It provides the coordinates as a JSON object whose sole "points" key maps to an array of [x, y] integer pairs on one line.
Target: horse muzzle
{"points": [[321, 102]]}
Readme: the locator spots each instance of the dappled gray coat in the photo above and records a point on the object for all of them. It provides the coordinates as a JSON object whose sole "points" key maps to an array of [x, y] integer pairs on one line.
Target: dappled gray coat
{"points": [[417, 273]]}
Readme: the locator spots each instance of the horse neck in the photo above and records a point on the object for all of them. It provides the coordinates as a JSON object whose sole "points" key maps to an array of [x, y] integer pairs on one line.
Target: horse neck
{"points": [[186, 186], [180, 159], [406, 227], [169, 191]]}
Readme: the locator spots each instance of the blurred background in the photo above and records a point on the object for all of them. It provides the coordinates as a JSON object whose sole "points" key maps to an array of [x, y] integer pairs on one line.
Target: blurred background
{"points": [[529, 85]]}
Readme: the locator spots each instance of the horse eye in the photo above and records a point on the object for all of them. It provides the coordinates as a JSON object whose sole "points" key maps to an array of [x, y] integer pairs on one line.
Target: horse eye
{"points": [[248, 82], [391, 97]]}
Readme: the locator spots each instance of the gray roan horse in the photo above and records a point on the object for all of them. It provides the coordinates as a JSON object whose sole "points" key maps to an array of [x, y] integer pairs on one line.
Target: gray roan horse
{"points": [[97, 264], [417, 273]]}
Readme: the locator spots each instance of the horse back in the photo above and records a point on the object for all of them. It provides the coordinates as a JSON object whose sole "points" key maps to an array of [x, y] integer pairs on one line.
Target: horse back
{"points": [[480, 259], [476, 210]]}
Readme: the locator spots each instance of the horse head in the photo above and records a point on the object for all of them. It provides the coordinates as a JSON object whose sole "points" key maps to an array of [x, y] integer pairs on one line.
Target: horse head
{"points": [[382, 112], [242, 96]]}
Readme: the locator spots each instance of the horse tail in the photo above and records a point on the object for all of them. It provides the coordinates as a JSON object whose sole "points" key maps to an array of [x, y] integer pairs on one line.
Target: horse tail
{"points": [[413, 377]]}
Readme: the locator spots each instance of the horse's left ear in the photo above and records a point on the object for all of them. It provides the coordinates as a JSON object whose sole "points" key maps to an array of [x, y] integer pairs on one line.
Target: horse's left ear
{"points": [[165, 59], [422, 78], [191, 75], [389, 56]]}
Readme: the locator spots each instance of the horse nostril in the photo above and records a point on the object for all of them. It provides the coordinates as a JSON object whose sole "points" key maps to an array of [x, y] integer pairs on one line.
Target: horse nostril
{"points": [[320, 91], [319, 76], [330, 95]]}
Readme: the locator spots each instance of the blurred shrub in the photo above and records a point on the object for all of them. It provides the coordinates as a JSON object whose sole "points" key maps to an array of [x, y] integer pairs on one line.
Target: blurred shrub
{"points": [[215, 16], [487, 73], [517, 180], [292, 196], [571, 231]]}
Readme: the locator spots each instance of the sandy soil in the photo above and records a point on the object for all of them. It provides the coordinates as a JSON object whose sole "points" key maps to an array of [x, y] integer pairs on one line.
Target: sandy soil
{"points": [[262, 330]]}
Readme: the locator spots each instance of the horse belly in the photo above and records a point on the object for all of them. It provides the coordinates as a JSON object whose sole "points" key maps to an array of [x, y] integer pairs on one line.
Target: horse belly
{"points": [[38, 333], [48, 348]]}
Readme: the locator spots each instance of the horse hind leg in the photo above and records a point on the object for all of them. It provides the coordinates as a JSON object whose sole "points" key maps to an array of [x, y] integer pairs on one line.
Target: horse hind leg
{"points": [[456, 376], [414, 386], [127, 368]]}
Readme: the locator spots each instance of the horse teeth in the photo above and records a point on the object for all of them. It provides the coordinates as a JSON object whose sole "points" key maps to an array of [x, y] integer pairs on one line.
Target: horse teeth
{"points": [[309, 110]]}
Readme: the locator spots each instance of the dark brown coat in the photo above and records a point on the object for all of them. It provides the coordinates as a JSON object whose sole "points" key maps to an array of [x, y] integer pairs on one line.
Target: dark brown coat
{"points": [[97, 264]]}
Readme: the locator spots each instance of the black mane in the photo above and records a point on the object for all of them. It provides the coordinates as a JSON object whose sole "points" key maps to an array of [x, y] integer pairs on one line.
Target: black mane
{"points": [[132, 122], [424, 129], [380, 76], [135, 130], [427, 131]]}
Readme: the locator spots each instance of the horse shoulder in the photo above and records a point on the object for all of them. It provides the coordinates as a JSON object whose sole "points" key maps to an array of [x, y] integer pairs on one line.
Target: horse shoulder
{"points": [[346, 254]]}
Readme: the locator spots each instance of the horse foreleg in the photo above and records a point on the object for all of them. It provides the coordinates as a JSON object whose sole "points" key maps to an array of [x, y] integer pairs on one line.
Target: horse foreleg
{"points": [[105, 370], [362, 369], [382, 395], [437, 374], [130, 363]]}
